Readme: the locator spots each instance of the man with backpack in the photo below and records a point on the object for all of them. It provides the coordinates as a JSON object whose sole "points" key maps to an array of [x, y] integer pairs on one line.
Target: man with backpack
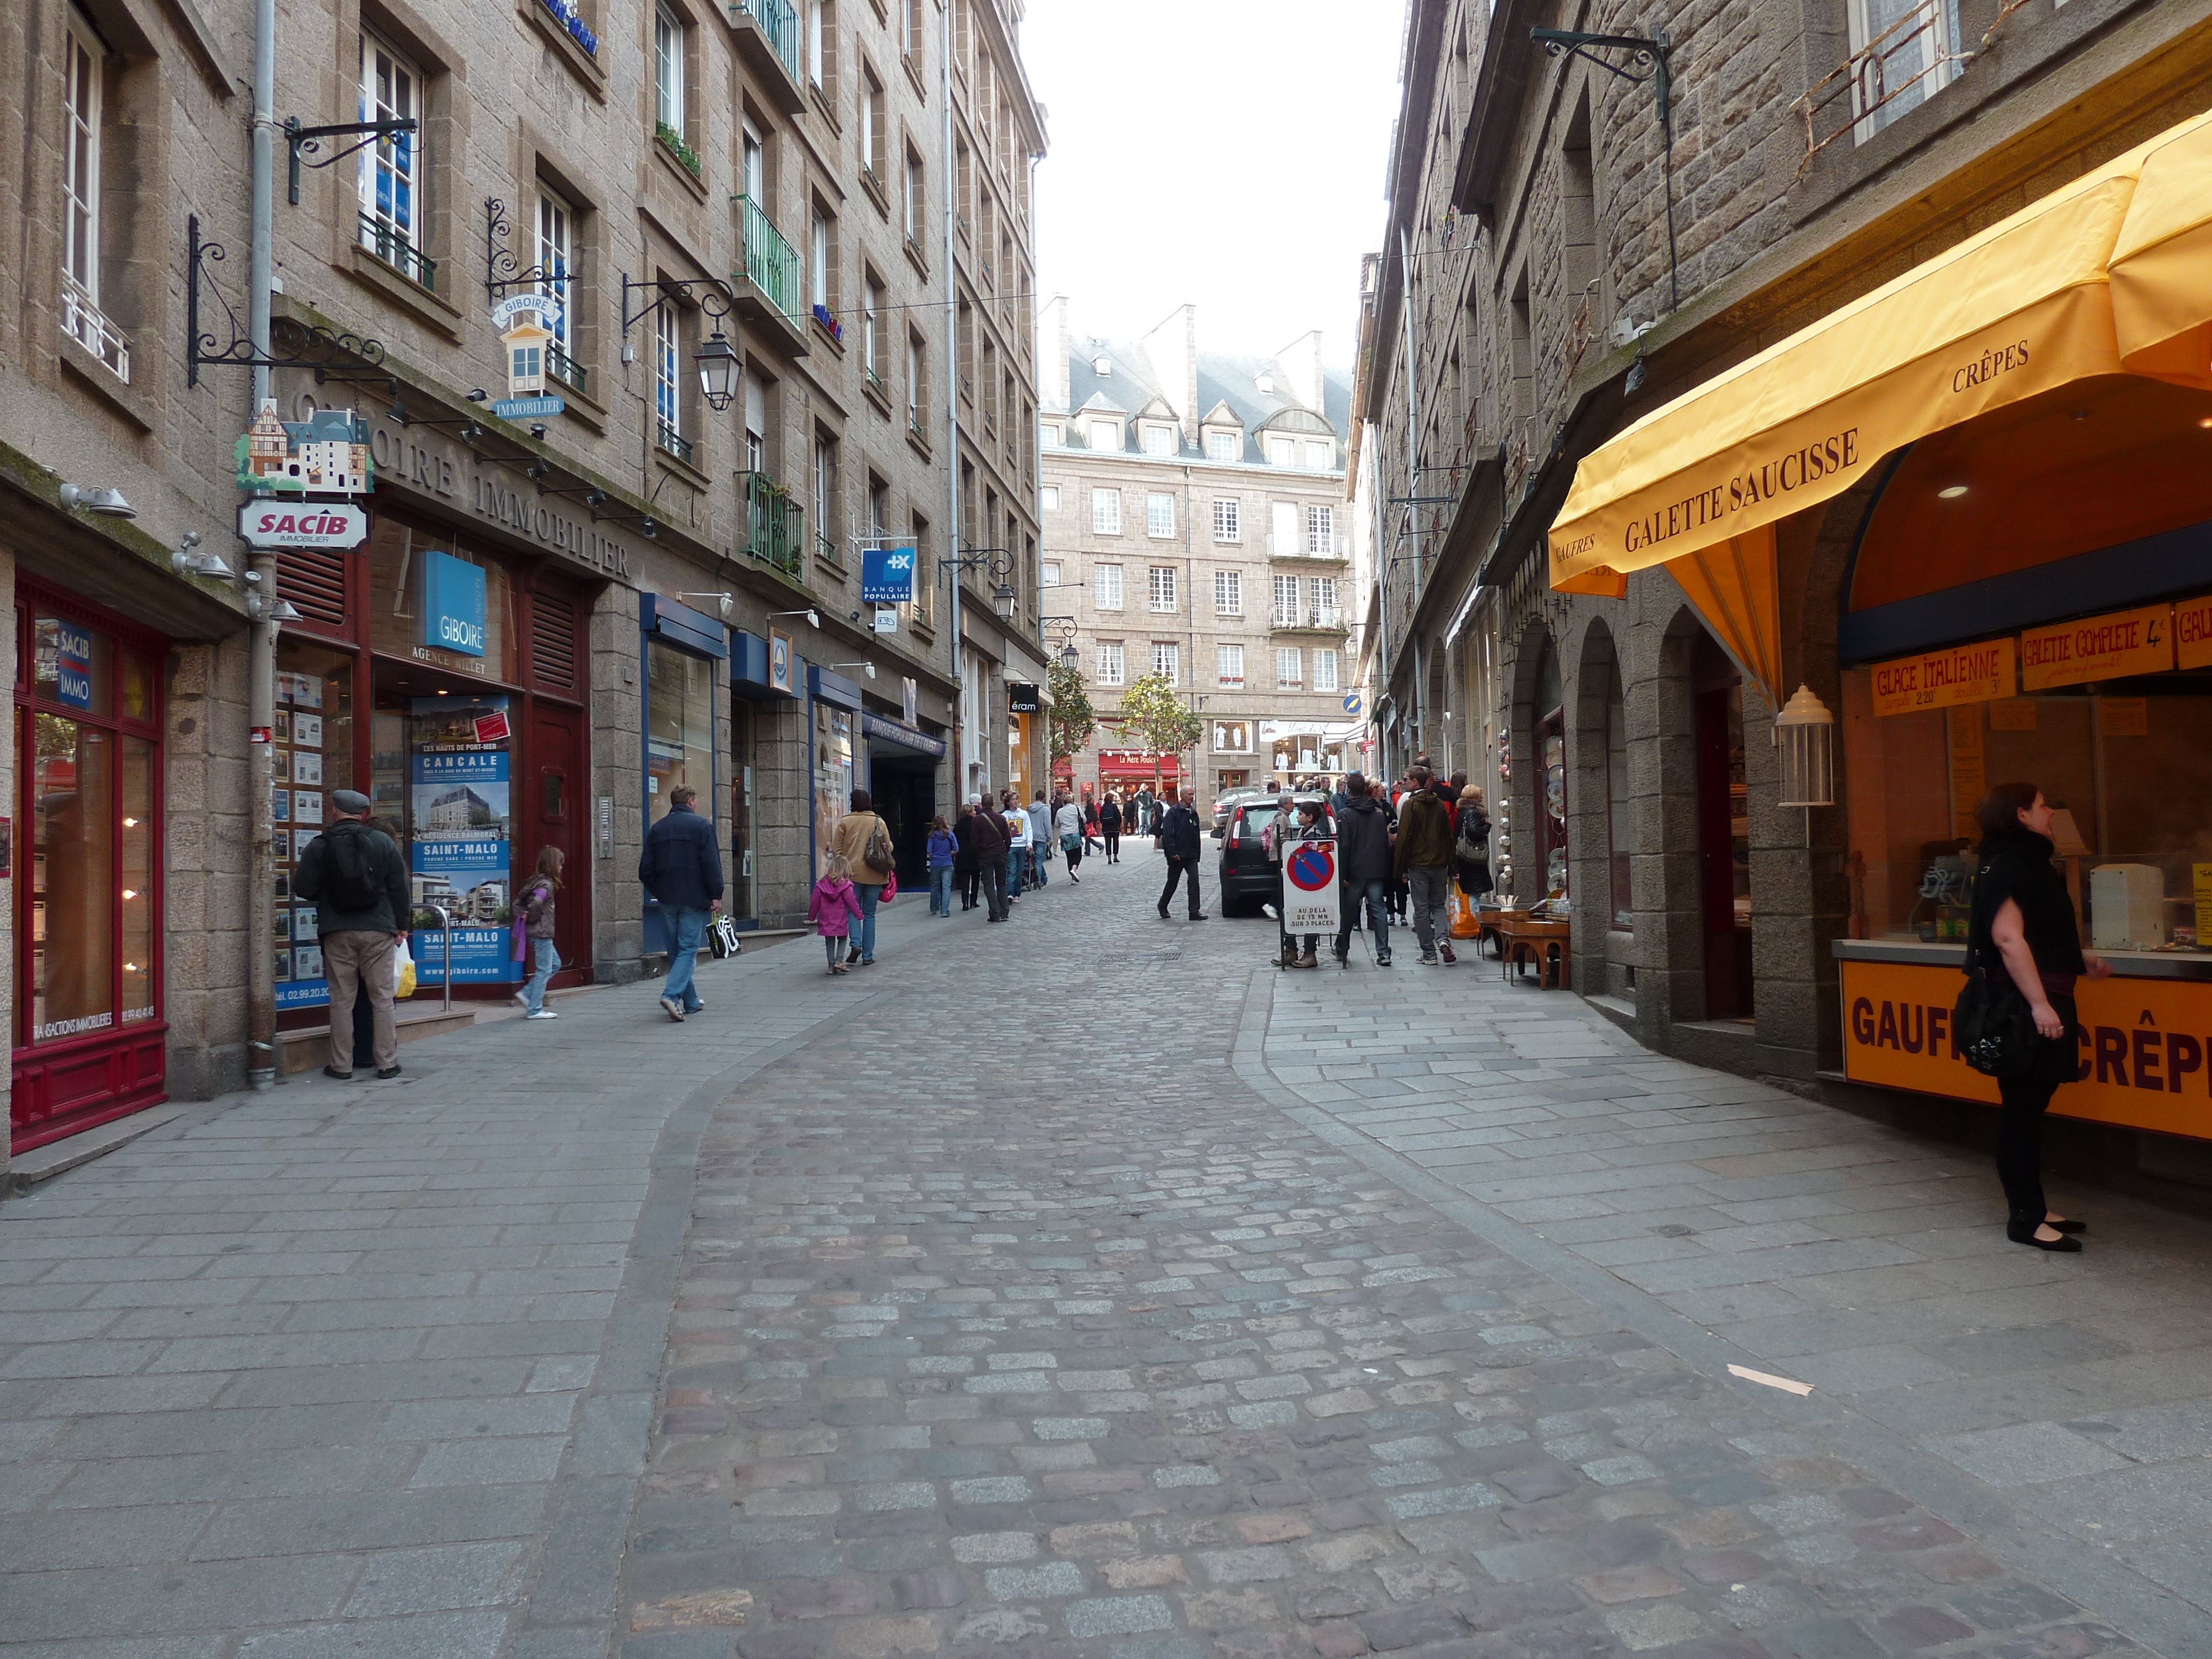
{"points": [[357, 881], [681, 870]]}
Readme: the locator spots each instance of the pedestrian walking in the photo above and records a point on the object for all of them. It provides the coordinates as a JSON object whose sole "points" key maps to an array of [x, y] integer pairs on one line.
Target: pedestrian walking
{"points": [[1109, 828], [1089, 825], [991, 854], [944, 851], [1178, 840], [1422, 860], [681, 869], [1039, 815], [357, 881], [865, 840], [1471, 844], [1068, 821], [2021, 925], [833, 908], [1016, 820], [1362, 858], [533, 915], [967, 873]]}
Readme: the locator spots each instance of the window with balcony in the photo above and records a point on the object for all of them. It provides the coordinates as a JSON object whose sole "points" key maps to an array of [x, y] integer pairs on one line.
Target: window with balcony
{"points": [[1228, 593], [1105, 511], [1112, 668], [1229, 665], [1160, 588], [391, 166], [1286, 602], [755, 393], [668, 381], [1224, 447], [1322, 610], [1903, 53], [1320, 531], [1159, 514], [1227, 522], [821, 243], [1167, 661], [917, 385], [1106, 587], [556, 230], [1290, 668], [1327, 670], [82, 319]]}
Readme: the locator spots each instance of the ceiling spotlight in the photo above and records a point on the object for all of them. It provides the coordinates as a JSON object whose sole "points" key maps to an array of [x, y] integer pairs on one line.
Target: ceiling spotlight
{"points": [[1951, 482], [1951, 492], [2204, 421], [107, 503]]}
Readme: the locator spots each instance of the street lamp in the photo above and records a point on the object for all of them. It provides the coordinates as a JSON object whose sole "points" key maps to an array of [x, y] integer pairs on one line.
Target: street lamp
{"points": [[998, 562], [719, 368], [1063, 629]]}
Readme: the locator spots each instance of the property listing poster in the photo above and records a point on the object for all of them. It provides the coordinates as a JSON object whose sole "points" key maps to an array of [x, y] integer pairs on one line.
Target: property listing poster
{"points": [[459, 847], [298, 755]]}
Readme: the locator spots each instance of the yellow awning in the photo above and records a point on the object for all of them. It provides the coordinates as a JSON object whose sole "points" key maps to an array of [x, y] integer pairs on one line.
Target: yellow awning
{"points": [[2026, 306], [2161, 267]]}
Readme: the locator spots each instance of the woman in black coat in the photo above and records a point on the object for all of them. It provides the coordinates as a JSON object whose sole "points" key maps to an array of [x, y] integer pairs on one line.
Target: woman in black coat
{"points": [[1471, 823], [967, 873], [2021, 925], [1109, 828]]}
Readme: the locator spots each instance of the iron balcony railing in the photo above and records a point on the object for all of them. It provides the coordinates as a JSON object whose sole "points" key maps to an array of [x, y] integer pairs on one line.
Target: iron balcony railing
{"points": [[389, 243], [776, 525], [566, 369], [771, 263], [666, 436], [88, 324], [781, 24], [825, 549]]}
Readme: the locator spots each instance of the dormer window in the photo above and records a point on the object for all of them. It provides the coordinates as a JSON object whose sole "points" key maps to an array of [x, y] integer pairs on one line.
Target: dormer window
{"points": [[1052, 434], [1266, 383], [1159, 439], [1224, 446], [1104, 434], [1101, 366]]}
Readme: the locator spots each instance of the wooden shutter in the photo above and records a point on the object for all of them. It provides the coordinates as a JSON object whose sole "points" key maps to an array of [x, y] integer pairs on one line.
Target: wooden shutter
{"points": [[553, 640], [315, 580]]}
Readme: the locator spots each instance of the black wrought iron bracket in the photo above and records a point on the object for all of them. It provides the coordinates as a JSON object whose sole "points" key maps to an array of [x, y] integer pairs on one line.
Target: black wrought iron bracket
{"points": [[997, 560], [309, 139], [503, 270], [329, 352], [1645, 64], [643, 521], [593, 494], [710, 294]]}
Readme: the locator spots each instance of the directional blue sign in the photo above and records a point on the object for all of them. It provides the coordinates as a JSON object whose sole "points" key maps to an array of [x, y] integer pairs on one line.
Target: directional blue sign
{"points": [[528, 409], [1352, 703], [887, 575]]}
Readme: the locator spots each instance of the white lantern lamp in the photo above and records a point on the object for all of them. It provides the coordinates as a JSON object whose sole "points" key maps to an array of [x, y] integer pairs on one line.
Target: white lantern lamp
{"points": [[1805, 733]]}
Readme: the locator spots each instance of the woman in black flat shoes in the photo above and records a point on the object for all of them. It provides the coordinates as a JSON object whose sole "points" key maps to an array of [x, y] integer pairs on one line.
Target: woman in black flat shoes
{"points": [[2022, 917]]}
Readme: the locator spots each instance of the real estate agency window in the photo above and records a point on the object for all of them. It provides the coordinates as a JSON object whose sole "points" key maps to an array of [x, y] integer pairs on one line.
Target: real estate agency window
{"points": [[1228, 593], [1160, 588], [88, 765], [1159, 515], [1228, 664], [1167, 661], [391, 178], [1105, 511], [1227, 522], [679, 727]]}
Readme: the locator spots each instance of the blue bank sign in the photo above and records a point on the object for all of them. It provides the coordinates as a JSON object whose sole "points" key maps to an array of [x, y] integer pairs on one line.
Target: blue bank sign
{"points": [[887, 575], [452, 605]]}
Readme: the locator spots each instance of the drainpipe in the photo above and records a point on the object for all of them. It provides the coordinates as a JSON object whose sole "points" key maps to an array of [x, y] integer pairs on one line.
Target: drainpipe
{"points": [[1413, 474], [261, 650], [952, 420]]}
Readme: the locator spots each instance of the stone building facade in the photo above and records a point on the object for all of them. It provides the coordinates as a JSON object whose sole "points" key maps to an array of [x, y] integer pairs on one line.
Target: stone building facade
{"points": [[1562, 259], [1195, 525], [655, 580]]}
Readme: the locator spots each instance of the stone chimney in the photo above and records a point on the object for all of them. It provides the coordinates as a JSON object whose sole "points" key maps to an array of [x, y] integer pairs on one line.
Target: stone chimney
{"points": [[1052, 359], [1172, 352], [1300, 362]]}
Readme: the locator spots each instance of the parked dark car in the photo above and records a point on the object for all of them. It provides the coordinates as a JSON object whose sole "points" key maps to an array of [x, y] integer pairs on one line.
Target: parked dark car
{"points": [[1229, 799], [1248, 875]]}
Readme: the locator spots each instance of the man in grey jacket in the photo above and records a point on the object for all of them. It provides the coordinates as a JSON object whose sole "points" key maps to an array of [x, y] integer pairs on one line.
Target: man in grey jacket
{"points": [[358, 883]]}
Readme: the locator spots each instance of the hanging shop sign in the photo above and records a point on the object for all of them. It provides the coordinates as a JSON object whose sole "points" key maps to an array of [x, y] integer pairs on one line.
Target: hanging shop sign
{"points": [[267, 523], [887, 575], [1310, 887], [461, 819], [1981, 672], [325, 454], [2097, 648], [2192, 633], [528, 409], [886, 619], [1022, 698], [1352, 703], [453, 603]]}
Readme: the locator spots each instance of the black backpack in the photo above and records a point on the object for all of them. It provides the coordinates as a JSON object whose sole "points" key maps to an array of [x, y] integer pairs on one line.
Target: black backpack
{"points": [[349, 878]]}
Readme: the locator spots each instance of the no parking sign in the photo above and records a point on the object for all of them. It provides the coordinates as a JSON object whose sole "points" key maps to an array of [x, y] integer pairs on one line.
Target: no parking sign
{"points": [[1310, 901]]}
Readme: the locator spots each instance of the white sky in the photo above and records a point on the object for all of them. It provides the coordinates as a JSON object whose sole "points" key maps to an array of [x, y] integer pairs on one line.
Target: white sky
{"points": [[1228, 152]]}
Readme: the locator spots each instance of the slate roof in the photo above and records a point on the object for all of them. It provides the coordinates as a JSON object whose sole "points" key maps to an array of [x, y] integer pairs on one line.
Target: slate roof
{"points": [[1223, 378]]}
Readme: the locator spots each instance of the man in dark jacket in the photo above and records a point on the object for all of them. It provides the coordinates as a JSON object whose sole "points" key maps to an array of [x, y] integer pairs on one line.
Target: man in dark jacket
{"points": [[1422, 861], [358, 883], [991, 850], [1363, 851], [681, 870], [1178, 834]]}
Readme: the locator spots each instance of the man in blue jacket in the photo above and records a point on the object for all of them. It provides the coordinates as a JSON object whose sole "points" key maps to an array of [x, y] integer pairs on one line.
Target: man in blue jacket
{"points": [[681, 870], [1178, 834]]}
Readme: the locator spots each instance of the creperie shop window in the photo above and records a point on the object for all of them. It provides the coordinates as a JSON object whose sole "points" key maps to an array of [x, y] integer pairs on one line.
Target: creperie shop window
{"points": [[2110, 715]]}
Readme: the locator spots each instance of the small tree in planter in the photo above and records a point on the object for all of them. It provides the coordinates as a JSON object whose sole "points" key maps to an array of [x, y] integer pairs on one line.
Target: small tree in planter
{"points": [[1154, 714]]}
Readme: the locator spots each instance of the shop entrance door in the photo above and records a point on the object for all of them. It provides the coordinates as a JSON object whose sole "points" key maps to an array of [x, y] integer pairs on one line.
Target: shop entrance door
{"points": [[904, 789], [1723, 833], [558, 818]]}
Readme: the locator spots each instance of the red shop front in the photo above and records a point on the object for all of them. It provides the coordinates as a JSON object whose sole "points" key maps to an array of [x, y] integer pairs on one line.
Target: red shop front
{"points": [[443, 678], [89, 1027], [1125, 769]]}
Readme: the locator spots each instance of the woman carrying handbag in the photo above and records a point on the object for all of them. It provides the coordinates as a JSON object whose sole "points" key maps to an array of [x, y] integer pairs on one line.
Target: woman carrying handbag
{"points": [[2022, 928]]}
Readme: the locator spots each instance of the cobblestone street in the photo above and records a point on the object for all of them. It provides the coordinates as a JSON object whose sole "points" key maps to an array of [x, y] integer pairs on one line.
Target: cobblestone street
{"points": [[1091, 1288]]}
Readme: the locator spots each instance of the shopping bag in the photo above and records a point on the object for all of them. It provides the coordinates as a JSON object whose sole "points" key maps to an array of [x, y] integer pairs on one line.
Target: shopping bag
{"points": [[1465, 924], [890, 889], [723, 939], [402, 970]]}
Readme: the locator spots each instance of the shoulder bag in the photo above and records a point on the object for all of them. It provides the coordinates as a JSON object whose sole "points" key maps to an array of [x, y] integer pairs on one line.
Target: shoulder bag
{"points": [[1994, 1028]]}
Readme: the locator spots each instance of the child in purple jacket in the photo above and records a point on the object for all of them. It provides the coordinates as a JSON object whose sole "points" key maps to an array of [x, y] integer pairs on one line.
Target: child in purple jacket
{"points": [[833, 907]]}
